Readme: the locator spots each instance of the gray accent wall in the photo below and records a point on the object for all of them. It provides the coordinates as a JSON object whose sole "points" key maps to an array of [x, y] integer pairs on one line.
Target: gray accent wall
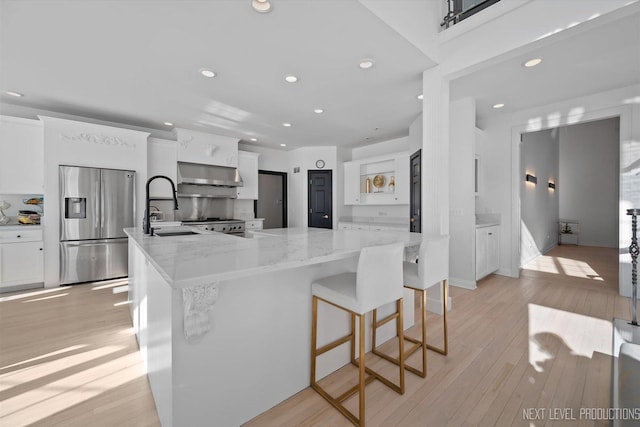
{"points": [[583, 161], [589, 176]]}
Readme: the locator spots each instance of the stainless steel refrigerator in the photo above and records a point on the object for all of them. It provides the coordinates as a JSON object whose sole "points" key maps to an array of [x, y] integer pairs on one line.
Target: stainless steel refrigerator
{"points": [[95, 206]]}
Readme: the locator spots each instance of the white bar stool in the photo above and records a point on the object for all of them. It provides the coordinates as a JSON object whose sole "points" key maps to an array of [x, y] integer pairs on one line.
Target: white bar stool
{"points": [[378, 281], [432, 269]]}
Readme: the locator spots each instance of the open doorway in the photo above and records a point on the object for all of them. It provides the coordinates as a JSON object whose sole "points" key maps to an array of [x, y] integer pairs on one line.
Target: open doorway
{"points": [[570, 186], [272, 199]]}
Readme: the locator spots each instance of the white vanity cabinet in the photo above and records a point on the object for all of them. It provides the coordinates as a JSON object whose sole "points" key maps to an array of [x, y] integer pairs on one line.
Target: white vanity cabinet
{"points": [[382, 180], [487, 250], [21, 257], [162, 159], [22, 158], [248, 169]]}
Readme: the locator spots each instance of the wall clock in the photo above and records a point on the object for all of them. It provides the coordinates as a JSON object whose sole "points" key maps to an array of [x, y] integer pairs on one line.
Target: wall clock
{"points": [[320, 164]]}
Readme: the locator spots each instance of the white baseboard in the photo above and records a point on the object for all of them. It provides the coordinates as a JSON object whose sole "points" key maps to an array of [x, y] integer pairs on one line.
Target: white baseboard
{"points": [[547, 249], [462, 283]]}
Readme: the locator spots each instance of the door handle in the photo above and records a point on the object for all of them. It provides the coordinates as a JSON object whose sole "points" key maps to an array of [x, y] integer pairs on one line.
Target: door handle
{"points": [[412, 219], [325, 216]]}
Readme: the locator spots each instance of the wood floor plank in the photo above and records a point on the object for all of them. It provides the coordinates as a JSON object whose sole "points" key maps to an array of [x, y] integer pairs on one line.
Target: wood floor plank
{"points": [[68, 356]]}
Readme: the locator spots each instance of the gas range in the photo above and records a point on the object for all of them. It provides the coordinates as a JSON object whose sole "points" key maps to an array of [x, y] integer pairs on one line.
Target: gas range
{"points": [[220, 225]]}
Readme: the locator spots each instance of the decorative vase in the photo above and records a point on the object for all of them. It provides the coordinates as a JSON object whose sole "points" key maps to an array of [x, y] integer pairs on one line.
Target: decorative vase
{"points": [[368, 185], [392, 184]]}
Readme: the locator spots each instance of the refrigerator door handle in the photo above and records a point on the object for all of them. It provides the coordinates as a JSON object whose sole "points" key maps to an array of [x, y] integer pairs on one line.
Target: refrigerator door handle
{"points": [[98, 218]]}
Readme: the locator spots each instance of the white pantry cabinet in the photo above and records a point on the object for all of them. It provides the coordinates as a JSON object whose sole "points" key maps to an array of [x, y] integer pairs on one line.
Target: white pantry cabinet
{"points": [[162, 159], [487, 250], [382, 180], [22, 158], [21, 257], [248, 169]]}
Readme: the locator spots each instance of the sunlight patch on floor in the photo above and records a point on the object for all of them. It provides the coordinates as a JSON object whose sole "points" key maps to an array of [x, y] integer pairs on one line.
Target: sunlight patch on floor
{"points": [[36, 371], [53, 353], [32, 294], [46, 298], [551, 329], [42, 402], [564, 266]]}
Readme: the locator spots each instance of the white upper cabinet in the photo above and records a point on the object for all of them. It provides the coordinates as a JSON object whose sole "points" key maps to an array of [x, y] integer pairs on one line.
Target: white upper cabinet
{"points": [[382, 180], [162, 159], [248, 169], [207, 148], [22, 158]]}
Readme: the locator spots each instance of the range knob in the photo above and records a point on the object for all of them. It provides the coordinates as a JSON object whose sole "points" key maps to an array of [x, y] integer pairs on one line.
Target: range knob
{"points": [[224, 228]]}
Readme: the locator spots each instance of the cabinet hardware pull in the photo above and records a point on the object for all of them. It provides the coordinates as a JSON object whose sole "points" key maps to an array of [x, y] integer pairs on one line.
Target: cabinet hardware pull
{"points": [[40, 248], [490, 234], [19, 236]]}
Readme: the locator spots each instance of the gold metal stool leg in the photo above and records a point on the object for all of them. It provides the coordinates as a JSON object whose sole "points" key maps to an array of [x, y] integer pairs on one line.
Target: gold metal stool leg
{"points": [[417, 343]]}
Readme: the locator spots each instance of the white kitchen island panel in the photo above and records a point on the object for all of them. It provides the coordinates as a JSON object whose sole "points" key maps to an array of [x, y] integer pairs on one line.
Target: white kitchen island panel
{"points": [[256, 352]]}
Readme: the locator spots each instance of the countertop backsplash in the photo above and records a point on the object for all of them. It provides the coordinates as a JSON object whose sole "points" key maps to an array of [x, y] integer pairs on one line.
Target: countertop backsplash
{"points": [[16, 202]]}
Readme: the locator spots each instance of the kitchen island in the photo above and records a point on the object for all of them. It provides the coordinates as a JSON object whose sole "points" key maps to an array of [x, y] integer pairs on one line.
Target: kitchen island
{"points": [[224, 322]]}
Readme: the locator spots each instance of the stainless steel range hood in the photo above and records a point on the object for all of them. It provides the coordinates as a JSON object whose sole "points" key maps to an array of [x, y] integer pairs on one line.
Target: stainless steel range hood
{"points": [[219, 176]]}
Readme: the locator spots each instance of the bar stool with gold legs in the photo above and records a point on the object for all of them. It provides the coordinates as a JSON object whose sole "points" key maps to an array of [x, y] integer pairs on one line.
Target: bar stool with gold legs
{"points": [[431, 269], [378, 281]]}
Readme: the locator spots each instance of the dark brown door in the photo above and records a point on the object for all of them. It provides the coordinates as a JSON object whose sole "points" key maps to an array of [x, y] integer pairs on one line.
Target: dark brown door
{"points": [[272, 199], [320, 205], [415, 195]]}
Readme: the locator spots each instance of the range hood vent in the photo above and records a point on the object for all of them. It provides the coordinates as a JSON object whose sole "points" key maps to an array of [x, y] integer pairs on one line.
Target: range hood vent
{"points": [[197, 174]]}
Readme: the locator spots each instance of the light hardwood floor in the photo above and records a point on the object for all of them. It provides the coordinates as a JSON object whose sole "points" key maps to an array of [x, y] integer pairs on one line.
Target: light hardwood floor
{"points": [[68, 356]]}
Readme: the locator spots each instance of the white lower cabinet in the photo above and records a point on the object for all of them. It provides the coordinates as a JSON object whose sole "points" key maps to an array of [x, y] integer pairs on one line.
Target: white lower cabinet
{"points": [[487, 250], [253, 224], [21, 258]]}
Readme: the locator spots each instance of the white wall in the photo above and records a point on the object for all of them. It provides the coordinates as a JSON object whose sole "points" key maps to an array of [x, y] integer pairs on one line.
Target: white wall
{"points": [[305, 158], [503, 178], [462, 200], [539, 228], [76, 143], [589, 177]]}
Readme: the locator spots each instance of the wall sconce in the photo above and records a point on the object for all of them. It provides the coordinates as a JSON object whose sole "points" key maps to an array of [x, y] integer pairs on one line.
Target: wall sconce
{"points": [[552, 185], [531, 178]]}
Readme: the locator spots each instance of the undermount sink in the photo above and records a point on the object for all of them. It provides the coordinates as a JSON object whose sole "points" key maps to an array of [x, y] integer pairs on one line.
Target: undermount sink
{"points": [[174, 233]]}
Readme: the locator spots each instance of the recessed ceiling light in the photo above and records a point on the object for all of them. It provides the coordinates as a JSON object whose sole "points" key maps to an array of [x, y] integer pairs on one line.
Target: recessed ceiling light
{"points": [[498, 105], [532, 62], [287, 125], [366, 64], [283, 145], [16, 94], [261, 6], [318, 111], [253, 139], [168, 124], [420, 97], [291, 79], [207, 73]]}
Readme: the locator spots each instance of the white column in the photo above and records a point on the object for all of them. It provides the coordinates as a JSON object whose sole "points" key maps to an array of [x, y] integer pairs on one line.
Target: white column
{"points": [[435, 152]]}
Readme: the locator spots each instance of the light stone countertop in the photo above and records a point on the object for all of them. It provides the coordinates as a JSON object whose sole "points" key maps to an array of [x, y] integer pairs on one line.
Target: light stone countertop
{"points": [[486, 224], [17, 226], [190, 260]]}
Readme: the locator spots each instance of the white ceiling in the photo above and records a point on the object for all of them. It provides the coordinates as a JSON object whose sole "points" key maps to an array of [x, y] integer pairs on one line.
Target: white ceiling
{"points": [[602, 58], [137, 62]]}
